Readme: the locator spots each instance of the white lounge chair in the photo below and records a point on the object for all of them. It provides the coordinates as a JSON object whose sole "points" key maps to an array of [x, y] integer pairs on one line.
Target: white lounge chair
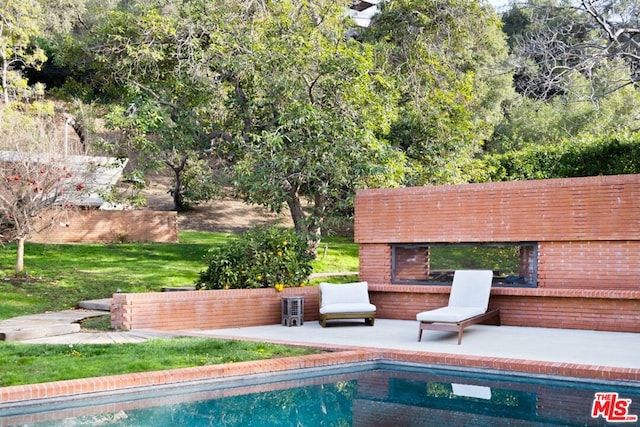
{"points": [[468, 303], [345, 301]]}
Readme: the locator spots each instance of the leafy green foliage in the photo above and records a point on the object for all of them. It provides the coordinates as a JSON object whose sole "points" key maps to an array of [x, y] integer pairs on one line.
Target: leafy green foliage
{"points": [[59, 276], [20, 24], [262, 257], [618, 154], [37, 363], [445, 58], [306, 111], [557, 120]]}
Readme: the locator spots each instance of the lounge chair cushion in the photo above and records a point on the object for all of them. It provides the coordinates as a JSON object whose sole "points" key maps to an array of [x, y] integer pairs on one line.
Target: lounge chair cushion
{"points": [[471, 288], [348, 293], [345, 301], [348, 308], [450, 314], [468, 304]]}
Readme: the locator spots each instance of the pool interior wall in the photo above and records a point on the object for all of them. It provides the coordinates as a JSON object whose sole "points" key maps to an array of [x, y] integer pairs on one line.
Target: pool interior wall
{"points": [[386, 393]]}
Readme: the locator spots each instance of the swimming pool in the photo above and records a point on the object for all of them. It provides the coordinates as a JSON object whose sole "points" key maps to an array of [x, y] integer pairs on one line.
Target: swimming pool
{"points": [[378, 393]]}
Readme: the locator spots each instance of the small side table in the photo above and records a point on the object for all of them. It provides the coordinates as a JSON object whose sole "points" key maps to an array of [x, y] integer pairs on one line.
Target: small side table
{"points": [[292, 311]]}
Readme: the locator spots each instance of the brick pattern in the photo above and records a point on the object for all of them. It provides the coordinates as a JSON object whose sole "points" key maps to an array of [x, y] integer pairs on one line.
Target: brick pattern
{"points": [[587, 230], [600, 310], [582, 209], [590, 264], [375, 263], [33, 392], [603, 310], [173, 376], [206, 309], [95, 226]]}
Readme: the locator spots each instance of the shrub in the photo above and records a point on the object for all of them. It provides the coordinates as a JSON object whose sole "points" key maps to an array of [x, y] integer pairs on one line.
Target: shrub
{"points": [[263, 257], [613, 155]]}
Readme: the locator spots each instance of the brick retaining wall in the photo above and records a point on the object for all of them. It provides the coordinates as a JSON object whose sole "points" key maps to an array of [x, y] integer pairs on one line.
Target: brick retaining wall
{"points": [[215, 309], [96, 226], [569, 308]]}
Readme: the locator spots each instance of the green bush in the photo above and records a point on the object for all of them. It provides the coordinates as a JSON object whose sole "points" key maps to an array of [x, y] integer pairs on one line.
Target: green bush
{"points": [[617, 154], [263, 257]]}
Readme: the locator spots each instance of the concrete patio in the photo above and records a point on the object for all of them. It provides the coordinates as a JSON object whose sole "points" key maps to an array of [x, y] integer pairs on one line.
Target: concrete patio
{"points": [[610, 349]]}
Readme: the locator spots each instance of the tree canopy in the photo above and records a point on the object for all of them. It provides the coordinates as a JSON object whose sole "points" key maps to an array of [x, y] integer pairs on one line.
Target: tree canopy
{"points": [[292, 106]]}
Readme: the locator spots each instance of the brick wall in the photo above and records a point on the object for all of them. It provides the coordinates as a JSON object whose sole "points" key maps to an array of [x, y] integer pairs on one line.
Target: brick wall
{"points": [[587, 231], [95, 226], [591, 264], [602, 310], [571, 209], [206, 309]]}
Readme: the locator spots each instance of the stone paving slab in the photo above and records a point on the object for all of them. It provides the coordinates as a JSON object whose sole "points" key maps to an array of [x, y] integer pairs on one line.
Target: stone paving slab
{"points": [[103, 304], [45, 324], [100, 338]]}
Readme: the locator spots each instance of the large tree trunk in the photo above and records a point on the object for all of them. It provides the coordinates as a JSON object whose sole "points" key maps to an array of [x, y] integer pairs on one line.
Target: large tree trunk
{"points": [[297, 214], [178, 198], [5, 71], [176, 191], [312, 230], [20, 255]]}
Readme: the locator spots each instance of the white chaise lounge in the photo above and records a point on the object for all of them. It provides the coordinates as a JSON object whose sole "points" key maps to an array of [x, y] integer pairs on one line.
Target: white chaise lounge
{"points": [[345, 301], [468, 303]]}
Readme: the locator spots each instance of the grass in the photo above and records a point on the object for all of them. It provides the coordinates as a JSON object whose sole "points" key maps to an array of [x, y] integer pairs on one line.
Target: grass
{"points": [[59, 276], [37, 363]]}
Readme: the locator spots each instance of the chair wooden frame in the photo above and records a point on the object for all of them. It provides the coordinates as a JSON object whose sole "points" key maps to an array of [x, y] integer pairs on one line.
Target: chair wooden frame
{"points": [[368, 316], [493, 315]]}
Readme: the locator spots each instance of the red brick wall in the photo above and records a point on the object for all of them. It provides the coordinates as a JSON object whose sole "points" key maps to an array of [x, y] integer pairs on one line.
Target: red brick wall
{"points": [[206, 309], [590, 264], [587, 230], [571, 209], [377, 265], [604, 310], [569, 308], [95, 226]]}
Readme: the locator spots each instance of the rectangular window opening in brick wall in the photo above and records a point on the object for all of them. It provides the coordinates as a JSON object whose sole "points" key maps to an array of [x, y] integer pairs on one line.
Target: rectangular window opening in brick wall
{"points": [[513, 264]]}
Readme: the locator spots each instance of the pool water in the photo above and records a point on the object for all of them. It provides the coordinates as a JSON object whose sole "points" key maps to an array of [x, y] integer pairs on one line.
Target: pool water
{"points": [[369, 394]]}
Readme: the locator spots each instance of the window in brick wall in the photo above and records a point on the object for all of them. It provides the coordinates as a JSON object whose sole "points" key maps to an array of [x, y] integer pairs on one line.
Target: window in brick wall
{"points": [[513, 264]]}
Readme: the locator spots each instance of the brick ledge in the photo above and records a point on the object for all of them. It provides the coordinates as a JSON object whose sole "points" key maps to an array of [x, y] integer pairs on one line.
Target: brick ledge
{"points": [[34, 392], [527, 292]]}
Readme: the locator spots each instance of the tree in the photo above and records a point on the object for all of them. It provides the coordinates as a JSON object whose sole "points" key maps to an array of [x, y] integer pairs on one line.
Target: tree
{"points": [[37, 187], [448, 60], [19, 25], [140, 58], [276, 90], [307, 109], [584, 50]]}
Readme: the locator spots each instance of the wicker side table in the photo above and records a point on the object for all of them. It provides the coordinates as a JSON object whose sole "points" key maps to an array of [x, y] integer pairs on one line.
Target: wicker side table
{"points": [[292, 311]]}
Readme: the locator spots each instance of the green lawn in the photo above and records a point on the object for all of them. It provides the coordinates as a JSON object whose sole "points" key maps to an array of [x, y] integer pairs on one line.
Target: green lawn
{"points": [[59, 276], [36, 363]]}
